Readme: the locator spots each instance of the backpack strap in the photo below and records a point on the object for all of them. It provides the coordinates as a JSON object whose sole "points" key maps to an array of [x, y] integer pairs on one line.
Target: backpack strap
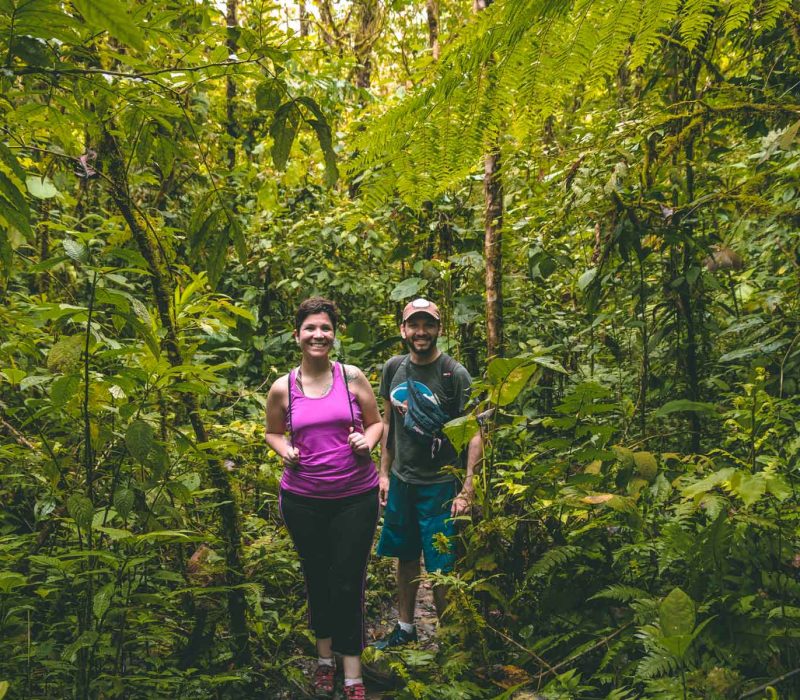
{"points": [[289, 412], [343, 370], [449, 366]]}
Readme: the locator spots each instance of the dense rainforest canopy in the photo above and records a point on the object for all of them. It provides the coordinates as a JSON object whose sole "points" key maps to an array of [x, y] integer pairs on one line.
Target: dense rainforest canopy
{"points": [[602, 196]]}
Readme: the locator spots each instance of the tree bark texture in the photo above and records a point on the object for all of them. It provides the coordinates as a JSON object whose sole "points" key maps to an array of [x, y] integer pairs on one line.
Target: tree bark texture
{"points": [[230, 85], [303, 12], [493, 251], [493, 237], [432, 10], [230, 517]]}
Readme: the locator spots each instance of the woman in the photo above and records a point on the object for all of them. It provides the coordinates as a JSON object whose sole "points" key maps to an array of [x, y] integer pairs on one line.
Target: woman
{"points": [[329, 489]]}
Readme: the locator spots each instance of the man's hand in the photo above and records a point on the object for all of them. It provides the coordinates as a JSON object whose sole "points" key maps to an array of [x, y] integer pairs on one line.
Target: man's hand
{"points": [[292, 457], [383, 488], [358, 443], [461, 504]]}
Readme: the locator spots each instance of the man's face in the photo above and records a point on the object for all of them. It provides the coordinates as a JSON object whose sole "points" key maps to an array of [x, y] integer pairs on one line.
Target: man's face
{"points": [[420, 332]]}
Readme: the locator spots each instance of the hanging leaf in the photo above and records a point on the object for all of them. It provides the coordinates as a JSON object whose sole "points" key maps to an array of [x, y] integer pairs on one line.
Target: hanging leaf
{"points": [[646, 465], [102, 600], [268, 95], [111, 16], [65, 355], [676, 614], [80, 510], [75, 250], [461, 430], [41, 187], [587, 278], [323, 131], [508, 377], [407, 288], [139, 439], [123, 501], [684, 405], [283, 130]]}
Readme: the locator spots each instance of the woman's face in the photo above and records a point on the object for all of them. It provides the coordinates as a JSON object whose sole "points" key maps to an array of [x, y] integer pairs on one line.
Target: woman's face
{"points": [[316, 335]]}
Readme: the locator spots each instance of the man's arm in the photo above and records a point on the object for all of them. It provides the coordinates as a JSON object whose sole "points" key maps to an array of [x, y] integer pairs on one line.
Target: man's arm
{"points": [[387, 454], [462, 502]]}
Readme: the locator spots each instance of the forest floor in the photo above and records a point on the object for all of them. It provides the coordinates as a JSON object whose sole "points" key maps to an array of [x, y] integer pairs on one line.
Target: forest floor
{"points": [[379, 626]]}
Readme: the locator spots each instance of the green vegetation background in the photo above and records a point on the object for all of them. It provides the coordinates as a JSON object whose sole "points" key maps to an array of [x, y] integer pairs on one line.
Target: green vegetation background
{"points": [[176, 176]]}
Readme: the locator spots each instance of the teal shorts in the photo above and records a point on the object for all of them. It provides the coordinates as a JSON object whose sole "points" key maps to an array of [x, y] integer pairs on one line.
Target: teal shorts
{"points": [[417, 520]]}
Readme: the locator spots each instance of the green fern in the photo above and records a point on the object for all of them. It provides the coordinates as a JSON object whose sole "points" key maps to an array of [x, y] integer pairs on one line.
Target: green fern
{"points": [[553, 558]]}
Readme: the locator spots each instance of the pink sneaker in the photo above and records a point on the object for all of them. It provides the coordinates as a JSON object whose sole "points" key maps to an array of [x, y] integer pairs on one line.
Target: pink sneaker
{"points": [[355, 692], [323, 682]]}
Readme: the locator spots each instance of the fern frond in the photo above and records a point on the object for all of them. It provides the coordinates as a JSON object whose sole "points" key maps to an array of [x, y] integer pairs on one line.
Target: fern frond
{"points": [[696, 16], [621, 593], [558, 556], [656, 663]]}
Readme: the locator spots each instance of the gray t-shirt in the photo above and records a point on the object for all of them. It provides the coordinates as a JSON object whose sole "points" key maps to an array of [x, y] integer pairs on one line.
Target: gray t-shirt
{"points": [[413, 462]]}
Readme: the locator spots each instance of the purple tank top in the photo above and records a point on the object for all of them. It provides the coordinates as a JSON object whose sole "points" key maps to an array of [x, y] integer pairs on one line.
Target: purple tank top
{"points": [[328, 468]]}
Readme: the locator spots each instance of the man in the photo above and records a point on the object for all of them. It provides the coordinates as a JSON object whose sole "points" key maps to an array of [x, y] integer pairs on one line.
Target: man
{"points": [[421, 497]]}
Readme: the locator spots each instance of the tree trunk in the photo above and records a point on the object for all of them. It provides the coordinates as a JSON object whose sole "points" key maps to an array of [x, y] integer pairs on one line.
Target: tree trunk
{"points": [[303, 12], [369, 21], [432, 9], [493, 237], [493, 251], [230, 85], [230, 517]]}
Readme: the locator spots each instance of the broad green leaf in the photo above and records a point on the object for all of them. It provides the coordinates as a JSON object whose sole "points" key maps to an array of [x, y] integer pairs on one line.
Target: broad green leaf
{"points": [[63, 389], [407, 288], [65, 355], [123, 501], [646, 465], [80, 510], [587, 278], [321, 127], [4, 686], [75, 250], [283, 130], [676, 614], [111, 16], [139, 439], [708, 483], [749, 487], [684, 405], [508, 378], [102, 600], [41, 187], [789, 135], [461, 430], [268, 95], [10, 580], [86, 640]]}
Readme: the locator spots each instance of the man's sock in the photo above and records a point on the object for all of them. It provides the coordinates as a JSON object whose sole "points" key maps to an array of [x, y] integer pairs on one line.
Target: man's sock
{"points": [[322, 661], [354, 681], [406, 626]]}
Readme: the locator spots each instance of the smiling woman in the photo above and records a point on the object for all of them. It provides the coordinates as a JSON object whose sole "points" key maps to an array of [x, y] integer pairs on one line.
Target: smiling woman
{"points": [[329, 489]]}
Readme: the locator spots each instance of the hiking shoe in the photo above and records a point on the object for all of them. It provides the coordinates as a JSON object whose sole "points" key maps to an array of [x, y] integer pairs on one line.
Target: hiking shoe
{"points": [[396, 638], [323, 682], [355, 692]]}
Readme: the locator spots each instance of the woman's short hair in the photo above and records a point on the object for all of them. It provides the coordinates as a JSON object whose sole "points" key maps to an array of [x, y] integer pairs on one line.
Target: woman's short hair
{"points": [[316, 305]]}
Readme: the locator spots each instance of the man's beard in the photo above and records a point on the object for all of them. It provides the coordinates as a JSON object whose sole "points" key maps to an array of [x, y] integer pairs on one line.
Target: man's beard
{"points": [[422, 353]]}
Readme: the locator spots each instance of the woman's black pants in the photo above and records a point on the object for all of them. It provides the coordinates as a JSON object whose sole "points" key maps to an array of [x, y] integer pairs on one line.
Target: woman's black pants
{"points": [[333, 537]]}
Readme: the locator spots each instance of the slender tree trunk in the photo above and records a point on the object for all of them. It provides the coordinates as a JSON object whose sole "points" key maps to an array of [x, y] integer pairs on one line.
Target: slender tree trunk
{"points": [[230, 85], [493, 237], [493, 251], [303, 12], [369, 20], [230, 517], [432, 10]]}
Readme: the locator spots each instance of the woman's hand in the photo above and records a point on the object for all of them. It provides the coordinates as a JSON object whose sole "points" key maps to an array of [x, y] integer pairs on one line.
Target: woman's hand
{"points": [[358, 443], [292, 457]]}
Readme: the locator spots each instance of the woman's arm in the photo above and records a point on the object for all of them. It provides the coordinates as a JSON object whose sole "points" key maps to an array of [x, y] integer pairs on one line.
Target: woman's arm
{"points": [[370, 415], [275, 422]]}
